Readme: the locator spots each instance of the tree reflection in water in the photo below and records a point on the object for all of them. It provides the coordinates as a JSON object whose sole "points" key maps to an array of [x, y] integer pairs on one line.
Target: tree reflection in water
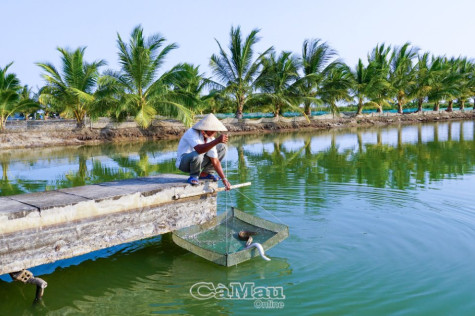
{"points": [[434, 152]]}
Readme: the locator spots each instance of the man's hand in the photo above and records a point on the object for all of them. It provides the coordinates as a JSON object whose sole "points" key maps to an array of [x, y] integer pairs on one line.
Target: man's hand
{"points": [[202, 148], [227, 185], [223, 138]]}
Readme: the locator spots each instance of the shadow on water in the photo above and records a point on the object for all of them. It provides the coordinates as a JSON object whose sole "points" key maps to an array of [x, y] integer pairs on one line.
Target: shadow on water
{"points": [[140, 278]]}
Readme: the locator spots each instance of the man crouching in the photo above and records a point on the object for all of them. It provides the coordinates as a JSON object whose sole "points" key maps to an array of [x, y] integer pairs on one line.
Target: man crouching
{"points": [[199, 153]]}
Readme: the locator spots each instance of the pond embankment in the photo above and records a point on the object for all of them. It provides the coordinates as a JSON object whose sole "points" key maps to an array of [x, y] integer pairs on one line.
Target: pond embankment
{"points": [[30, 134]]}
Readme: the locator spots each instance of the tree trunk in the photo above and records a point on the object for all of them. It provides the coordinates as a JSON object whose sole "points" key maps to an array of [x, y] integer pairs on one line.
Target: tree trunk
{"points": [[380, 109], [436, 106], [239, 114], [333, 109], [360, 107], [419, 105], [307, 109], [80, 124], [450, 108], [277, 110], [462, 105], [399, 106], [240, 107]]}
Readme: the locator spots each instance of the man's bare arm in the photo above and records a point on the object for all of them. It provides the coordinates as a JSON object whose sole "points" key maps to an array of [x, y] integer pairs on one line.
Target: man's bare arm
{"points": [[203, 148], [217, 166]]}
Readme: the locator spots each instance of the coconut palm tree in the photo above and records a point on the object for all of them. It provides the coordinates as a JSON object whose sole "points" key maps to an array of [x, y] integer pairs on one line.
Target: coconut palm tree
{"points": [[452, 82], [444, 82], [361, 81], [136, 89], [318, 58], [437, 71], [471, 81], [379, 67], [421, 85], [9, 97], [72, 90], [238, 69], [278, 83], [27, 94], [401, 74], [366, 83], [9, 81], [12, 98], [336, 87], [192, 85], [466, 71]]}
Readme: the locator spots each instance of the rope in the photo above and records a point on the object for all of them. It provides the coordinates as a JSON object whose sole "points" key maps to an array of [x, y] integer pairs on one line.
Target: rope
{"points": [[257, 204], [228, 193], [226, 199]]}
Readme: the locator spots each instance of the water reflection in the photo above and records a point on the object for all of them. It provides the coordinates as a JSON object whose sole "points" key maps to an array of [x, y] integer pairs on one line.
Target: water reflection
{"points": [[306, 164], [399, 158], [25, 171]]}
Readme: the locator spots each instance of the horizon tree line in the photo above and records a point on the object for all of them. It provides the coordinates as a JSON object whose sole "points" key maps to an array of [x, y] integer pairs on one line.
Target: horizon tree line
{"points": [[242, 80]]}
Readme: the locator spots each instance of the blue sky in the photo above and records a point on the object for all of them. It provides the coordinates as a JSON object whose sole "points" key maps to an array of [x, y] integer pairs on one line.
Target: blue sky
{"points": [[32, 29]]}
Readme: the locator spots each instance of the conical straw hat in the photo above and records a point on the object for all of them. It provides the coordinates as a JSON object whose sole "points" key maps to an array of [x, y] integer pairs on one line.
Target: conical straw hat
{"points": [[210, 123]]}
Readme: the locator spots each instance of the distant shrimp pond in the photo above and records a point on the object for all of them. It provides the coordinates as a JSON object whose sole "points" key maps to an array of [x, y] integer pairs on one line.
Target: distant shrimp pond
{"points": [[381, 221]]}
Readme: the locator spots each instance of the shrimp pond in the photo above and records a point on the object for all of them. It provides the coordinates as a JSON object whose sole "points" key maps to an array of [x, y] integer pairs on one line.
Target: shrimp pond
{"points": [[381, 221]]}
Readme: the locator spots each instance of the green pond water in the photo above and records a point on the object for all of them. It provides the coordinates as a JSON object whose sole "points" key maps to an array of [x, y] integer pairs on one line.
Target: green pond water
{"points": [[382, 221]]}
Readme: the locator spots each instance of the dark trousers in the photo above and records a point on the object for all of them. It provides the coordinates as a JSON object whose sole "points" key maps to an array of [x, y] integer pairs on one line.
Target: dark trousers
{"points": [[194, 163]]}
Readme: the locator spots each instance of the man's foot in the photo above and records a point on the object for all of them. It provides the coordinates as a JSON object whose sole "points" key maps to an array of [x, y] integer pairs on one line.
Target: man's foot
{"points": [[208, 176], [193, 181]]}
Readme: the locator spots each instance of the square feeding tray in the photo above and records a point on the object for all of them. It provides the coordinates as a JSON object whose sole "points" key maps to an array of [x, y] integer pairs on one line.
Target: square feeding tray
{"points": [[217, 240]]}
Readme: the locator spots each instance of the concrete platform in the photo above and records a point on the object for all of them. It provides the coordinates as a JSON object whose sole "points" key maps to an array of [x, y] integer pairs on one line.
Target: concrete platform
{"points": [[44, 227], [11, 209]]}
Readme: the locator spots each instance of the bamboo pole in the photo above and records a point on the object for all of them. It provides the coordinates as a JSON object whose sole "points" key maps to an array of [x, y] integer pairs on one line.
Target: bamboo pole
{"points": [[236, 186]]}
